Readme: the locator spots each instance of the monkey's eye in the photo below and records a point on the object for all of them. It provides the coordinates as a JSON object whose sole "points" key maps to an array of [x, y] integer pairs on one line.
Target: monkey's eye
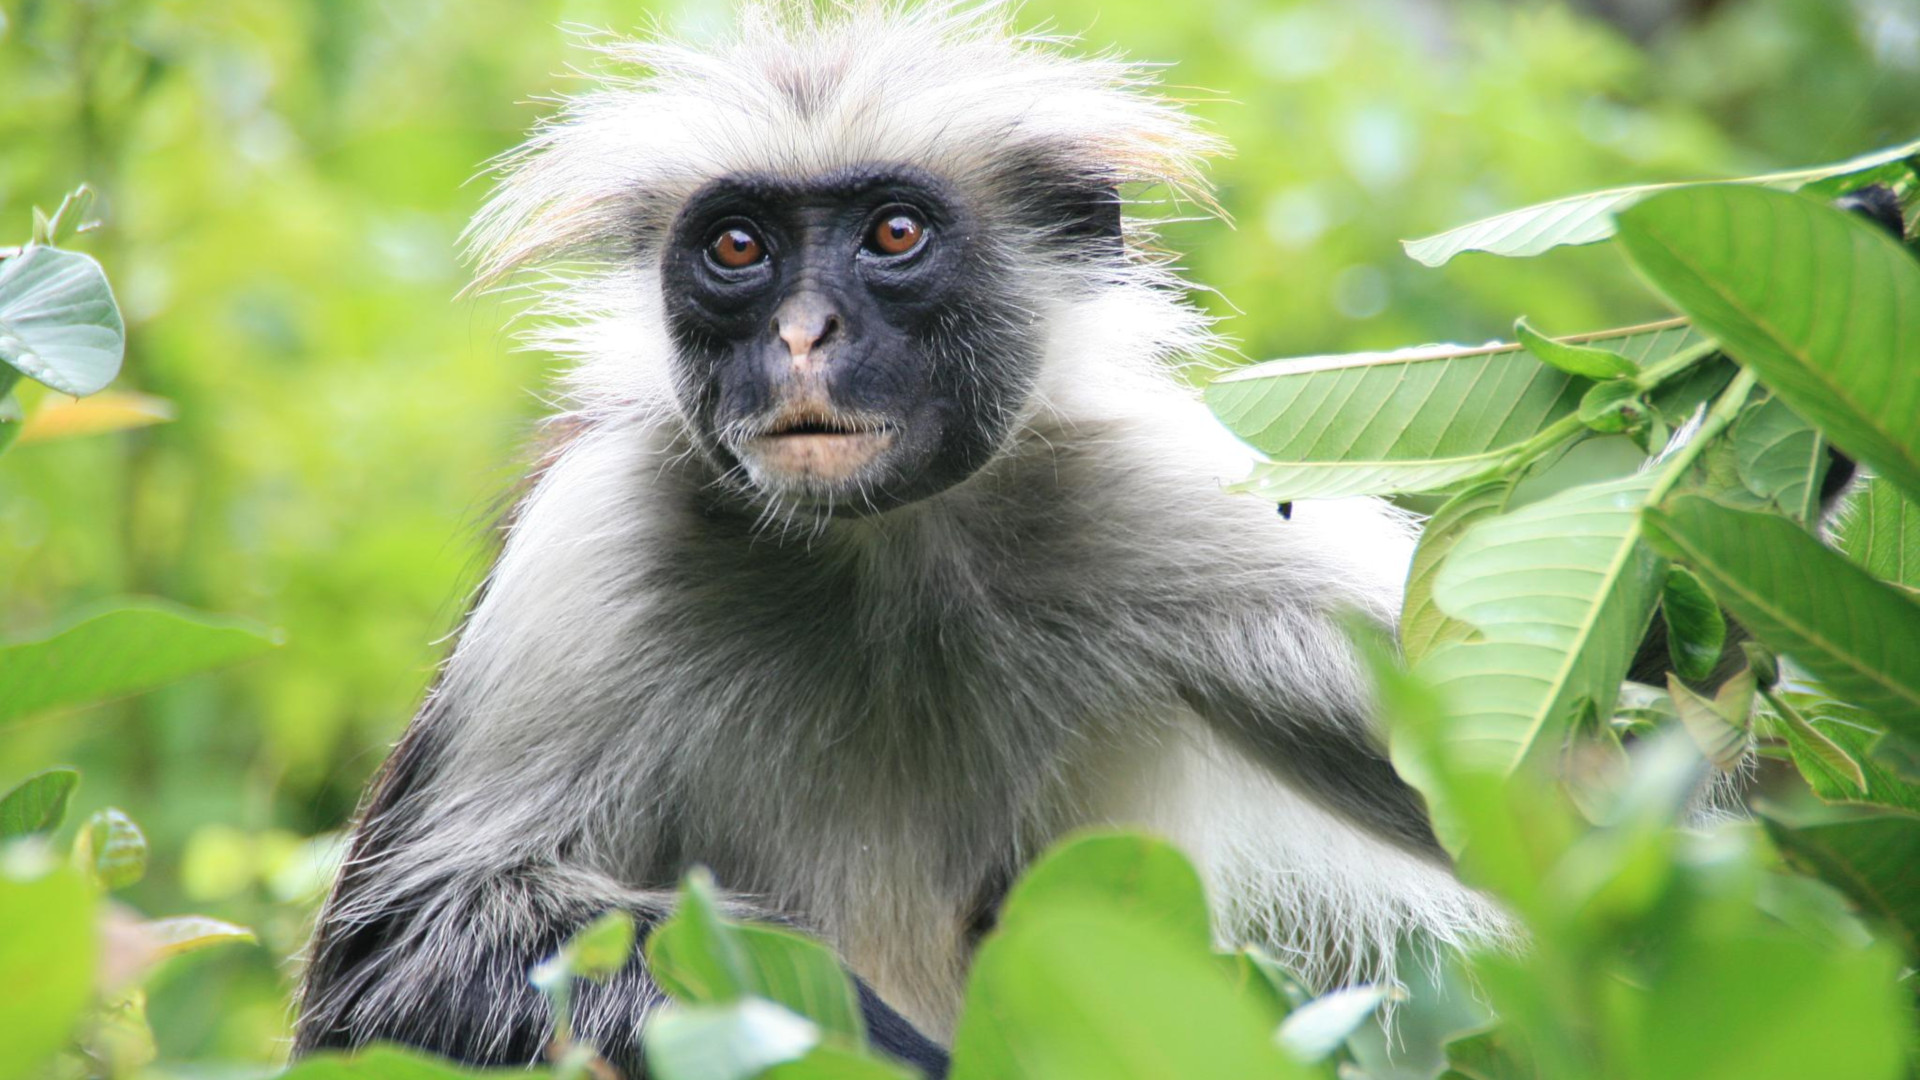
{"points": [[736, 248], [897, 233]]}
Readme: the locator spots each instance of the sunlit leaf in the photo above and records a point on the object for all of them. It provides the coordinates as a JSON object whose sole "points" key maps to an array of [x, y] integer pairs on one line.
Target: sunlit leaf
{"points": [[133, 646], [190, 933], [1071, 991], [1560, 592], [1819, 302], [1142, 876], [38, 803], [1858, 775], [595, 952], [702, 958], [1589, 218], [735, 1040], [1315, 1030], [112, 410], [59, 324], [1859, 636], [1284, 482], [46, 967]]}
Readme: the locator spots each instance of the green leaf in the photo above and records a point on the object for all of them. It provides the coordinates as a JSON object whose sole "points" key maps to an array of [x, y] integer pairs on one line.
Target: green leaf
{"points": [[701, 958], [1820, 303], [1869, 858], [12, 418], [1859, 636], [385, 1062], [38, 803], [1068, 992], [1589, 218], [128, 648], [1881, 530], [59, 324], [1612, 406], [1560, 592], [1582, 360], [829, 1062], [1722, 738], [1696, 630], [1780, 457], [183, 934], [1423, 626], [46, 967], [1419, 404], [1144, 877], [1315, 1030], [597, 951], [1285, 482], [112, 849], [736, 1040], [1838, 760]]}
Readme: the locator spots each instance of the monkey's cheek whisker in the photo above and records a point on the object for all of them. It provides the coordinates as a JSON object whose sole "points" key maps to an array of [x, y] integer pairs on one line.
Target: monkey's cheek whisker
{"points": [[814, 458]]}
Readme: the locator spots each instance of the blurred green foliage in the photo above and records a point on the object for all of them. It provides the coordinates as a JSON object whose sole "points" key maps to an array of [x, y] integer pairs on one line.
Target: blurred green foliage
{"points": [[283, 183]]}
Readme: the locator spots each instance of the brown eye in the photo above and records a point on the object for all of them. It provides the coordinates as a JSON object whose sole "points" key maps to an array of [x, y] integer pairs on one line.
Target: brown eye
{"points": [[736, 248], [896, 234]]}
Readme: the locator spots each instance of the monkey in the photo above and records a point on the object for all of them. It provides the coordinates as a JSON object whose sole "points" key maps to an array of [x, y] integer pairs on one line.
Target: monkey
{"points": [[882, 546]]}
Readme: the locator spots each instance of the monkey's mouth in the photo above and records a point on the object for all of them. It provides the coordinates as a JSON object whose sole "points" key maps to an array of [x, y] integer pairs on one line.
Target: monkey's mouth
{"points": [[809, 443]]}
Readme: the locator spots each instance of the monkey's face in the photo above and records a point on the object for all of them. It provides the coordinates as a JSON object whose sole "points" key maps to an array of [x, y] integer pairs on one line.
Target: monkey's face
{"points": [[847, 341]]}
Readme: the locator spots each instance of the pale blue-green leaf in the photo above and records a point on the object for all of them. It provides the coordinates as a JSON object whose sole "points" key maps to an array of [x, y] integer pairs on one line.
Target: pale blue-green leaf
{"points": [[59, 324], [1315, 1030], [737, 1040], [1588, 219]]}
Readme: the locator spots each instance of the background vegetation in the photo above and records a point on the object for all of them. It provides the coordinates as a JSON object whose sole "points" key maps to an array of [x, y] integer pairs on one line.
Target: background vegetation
{"points": [[282, 186]]}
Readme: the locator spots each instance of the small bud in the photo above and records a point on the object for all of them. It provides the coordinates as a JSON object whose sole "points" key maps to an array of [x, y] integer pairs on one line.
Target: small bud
{"points": [[1766, 670]]}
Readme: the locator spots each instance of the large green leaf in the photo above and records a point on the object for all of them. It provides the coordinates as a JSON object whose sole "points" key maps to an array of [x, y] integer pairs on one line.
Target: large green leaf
{"points": [[1870, 858], [1141, 876], [701, 958], [1074, 990], [1589, 218], [46, 966], [1864, 780], [134, 646], [394, 1063], [1881, 530], [58, 322], [1823, 305], [1859, 636], [1560, 592], [1418, 419]]}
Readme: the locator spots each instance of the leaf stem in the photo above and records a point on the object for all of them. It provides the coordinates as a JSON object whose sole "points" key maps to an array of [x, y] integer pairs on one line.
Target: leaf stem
{"points": [[1725, 408], [1685, 360]]}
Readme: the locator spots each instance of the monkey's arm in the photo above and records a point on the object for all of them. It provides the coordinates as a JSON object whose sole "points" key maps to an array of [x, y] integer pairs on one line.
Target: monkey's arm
{"points": [[446, 970], [1289, 690]]}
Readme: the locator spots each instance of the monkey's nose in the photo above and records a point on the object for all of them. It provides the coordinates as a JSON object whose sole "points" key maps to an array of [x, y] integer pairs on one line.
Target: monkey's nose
{"points": [[804, 322]]}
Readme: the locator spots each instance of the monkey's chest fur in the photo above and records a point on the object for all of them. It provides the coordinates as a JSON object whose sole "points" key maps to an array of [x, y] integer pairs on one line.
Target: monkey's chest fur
{"points": [[896, 725]]}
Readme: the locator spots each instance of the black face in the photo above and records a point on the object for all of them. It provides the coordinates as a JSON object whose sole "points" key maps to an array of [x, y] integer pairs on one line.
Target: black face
{"points": [[847, 341]]}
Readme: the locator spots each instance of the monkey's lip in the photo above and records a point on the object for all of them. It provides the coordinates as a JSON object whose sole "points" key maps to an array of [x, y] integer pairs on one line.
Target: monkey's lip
{"points": [[816, 449]]}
